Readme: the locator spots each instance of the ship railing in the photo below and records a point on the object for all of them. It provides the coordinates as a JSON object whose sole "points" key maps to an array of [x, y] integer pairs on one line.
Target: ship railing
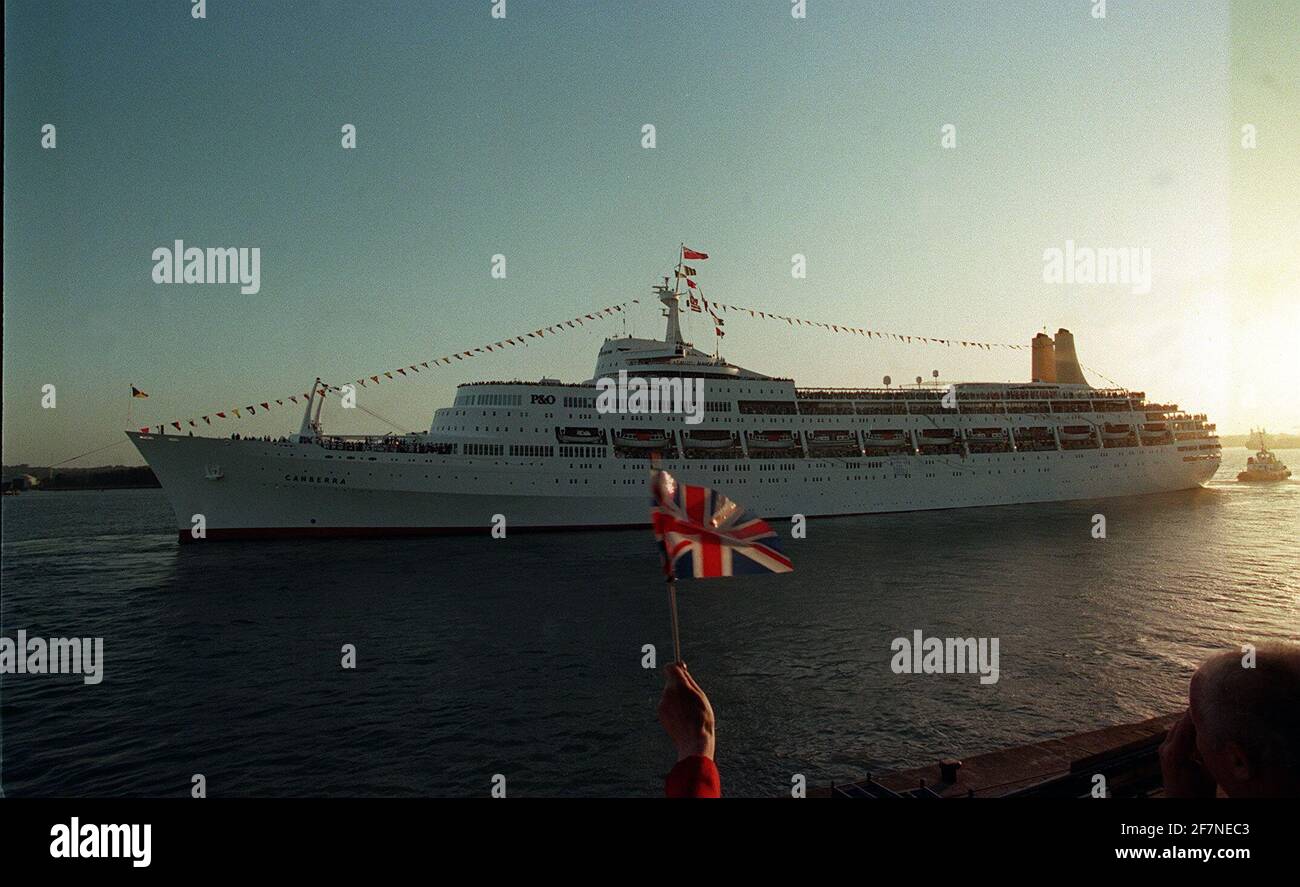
{"points": [[535, 383], [974, 394], [361, 443]]}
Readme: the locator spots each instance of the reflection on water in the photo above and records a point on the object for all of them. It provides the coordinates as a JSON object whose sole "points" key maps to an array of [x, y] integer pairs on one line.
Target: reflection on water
{"points": [[522, 656]]}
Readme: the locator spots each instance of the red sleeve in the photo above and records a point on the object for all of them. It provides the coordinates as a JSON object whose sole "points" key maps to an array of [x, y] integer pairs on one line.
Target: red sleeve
{"points": [[694, 777]]}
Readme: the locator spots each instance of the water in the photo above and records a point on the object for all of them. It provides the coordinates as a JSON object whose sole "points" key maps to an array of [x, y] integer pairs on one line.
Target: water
{"points": [[523, 656]]}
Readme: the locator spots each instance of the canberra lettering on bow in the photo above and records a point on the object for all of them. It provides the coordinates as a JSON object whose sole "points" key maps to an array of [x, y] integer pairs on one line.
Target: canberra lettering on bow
{"points": [[309, 479]]}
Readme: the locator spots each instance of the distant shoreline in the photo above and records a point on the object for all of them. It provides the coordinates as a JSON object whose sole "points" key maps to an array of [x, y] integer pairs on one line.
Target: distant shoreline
{"points": [[1249, 441], [105, 477]]}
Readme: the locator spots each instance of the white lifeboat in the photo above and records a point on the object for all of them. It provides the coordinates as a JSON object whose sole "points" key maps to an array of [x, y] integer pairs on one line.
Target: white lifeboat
{"points": [[708, 440], [833, 437], [886, 438], [771, 440]]}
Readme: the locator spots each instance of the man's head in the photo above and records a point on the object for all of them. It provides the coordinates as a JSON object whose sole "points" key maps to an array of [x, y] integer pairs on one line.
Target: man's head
{"points": [[1248, 720]]}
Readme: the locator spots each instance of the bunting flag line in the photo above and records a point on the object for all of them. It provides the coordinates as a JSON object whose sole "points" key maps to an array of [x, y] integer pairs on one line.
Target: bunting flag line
{"points": [[694, 304], [403, 372], [905, 338]]}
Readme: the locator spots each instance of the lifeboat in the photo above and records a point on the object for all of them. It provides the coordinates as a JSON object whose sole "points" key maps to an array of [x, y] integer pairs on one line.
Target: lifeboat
{"points": [[936, 437], [772, 440], [1155, 433], [580, 435], [1116, 432], [643, 438], [1076, 432], [708, 440], [987, 434], [832, 438], [1035, 438], [886, 439]]}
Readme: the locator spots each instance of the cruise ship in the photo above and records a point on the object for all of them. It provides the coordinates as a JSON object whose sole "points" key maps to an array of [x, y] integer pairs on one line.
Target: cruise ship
{"points": [[546, 455]]}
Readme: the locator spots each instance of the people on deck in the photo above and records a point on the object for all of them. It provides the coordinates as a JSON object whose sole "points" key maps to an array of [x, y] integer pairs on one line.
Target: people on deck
{"points": [[1241, 732]]}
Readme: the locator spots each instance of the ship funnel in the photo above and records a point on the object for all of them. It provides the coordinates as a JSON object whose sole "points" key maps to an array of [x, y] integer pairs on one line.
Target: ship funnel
{"points": [[1068, 371], [1044, 351]]}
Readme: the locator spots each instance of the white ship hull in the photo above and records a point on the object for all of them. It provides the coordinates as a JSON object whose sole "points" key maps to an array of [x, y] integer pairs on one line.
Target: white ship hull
{"points": [[286, 489]]}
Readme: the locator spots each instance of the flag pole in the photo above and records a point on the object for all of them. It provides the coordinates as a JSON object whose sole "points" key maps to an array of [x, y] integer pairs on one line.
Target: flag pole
{"points": [[672, 609], [669, 574]]}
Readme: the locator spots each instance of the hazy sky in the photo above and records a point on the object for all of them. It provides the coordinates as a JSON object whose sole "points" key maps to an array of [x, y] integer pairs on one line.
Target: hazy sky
{"points": [[522, 136]]}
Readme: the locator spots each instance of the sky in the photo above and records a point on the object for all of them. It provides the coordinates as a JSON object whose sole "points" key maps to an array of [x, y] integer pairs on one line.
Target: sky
{"points": [[523, 136]]}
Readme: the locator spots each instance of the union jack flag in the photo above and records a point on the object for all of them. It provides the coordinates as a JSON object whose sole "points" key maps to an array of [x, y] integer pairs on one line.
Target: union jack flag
{"points": [[703, 534]]}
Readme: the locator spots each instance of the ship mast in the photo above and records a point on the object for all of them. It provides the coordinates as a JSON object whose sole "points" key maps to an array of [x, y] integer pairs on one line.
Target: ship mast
{"points": [[310, 430], [320, 405], [673, 334], [669, 297]]}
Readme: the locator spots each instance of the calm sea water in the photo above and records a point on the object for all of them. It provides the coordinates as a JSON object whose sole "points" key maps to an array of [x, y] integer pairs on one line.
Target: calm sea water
{"points": [[523, 656]]}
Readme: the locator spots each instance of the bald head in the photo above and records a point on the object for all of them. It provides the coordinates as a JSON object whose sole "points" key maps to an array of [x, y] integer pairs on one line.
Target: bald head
{"points": [[1248, 719]]}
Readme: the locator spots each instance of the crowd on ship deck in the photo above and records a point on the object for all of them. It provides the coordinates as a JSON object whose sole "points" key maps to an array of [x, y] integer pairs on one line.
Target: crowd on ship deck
{"points": [[387, 445], [266, 438]]}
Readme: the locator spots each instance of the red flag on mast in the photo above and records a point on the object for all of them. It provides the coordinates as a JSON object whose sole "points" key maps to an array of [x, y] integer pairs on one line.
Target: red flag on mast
{"points": [[688, 253]]}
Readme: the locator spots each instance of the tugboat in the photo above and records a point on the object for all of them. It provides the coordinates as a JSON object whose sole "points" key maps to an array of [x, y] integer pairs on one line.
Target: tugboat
{"points": [[1264, 467]]}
